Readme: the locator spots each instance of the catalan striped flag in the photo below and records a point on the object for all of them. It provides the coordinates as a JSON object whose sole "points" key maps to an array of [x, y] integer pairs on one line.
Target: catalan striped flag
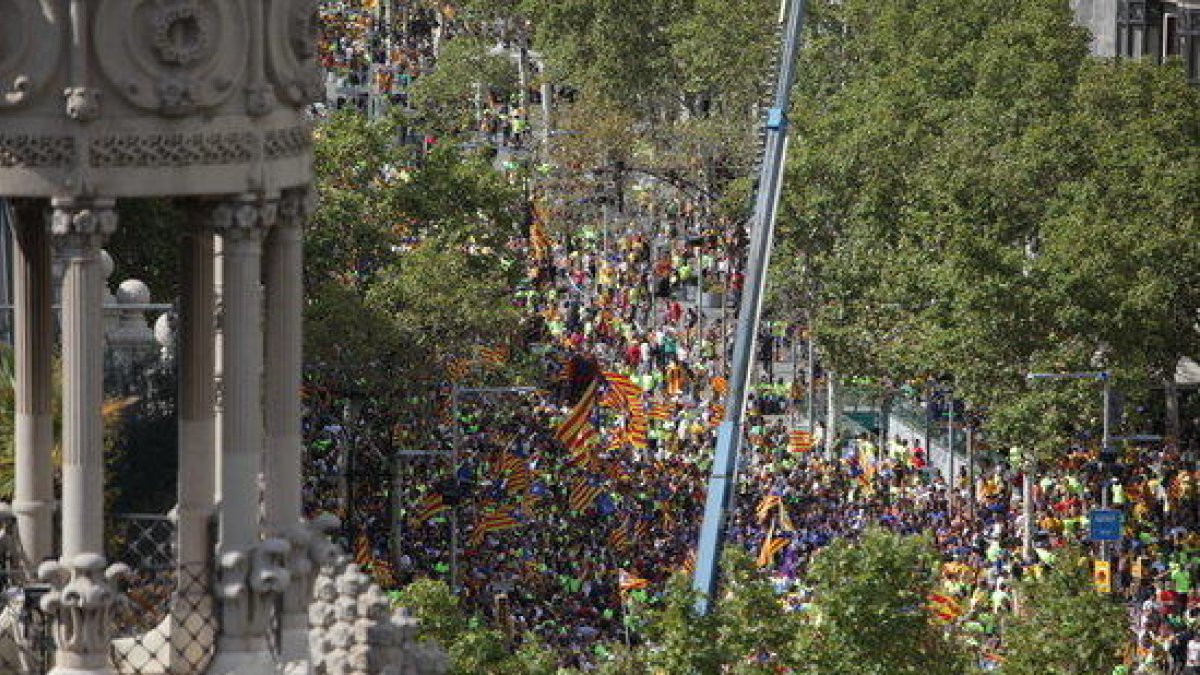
{"points": [[628, 581], [642, 529], [587, 437], [539, 241], [583, 457], [583, 494], [768, 503], [661, 411], [573, 425], [494, 356], [457, 369], [430, 505], [771, 547], [384, 573], [800, 440], [618, 538], [495, 521], [623, 386], [362, 551], [944, 608], [519, 477], [688, 566]]}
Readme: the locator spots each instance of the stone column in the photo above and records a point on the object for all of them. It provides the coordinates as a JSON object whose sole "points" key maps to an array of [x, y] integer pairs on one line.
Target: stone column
{"points": [[283, 276], [241, 648], [190, 631], [283, 512], [33, 498], [197, 398], [82, 598]]}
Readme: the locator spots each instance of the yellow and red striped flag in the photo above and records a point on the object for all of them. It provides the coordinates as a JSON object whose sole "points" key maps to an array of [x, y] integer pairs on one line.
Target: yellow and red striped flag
{"points": [[771, 547], [362, 551], [800, 440], [661, 411], [430, 505], [768, 503], [494, 356], [622, 391], [628, 581], [943, 607], [574, 423], [539, 242], [496, 521], [583, 494]]}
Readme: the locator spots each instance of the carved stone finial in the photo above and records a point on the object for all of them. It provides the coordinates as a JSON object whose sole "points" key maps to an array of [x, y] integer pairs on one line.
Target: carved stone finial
{"points": [[82, 597]]}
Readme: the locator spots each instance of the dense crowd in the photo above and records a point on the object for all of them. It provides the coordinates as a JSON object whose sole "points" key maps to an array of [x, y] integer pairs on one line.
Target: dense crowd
{"points": [[558, 569], [567, 533]]}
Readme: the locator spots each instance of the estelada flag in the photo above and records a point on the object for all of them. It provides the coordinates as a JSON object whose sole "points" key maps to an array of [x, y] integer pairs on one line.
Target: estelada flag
{"points": [[800, 441], [574, 423]]}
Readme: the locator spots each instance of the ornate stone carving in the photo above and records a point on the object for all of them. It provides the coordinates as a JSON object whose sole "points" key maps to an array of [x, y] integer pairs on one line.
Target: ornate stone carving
{"points": [[292, 61], [166, 150], [353, 631], [269, 578], [186, 58], [247, 218], [286, 143], [82, 598], [180, 33], [83, 222], [83, 103], [30, 48], [27, 151], [233, 590]]}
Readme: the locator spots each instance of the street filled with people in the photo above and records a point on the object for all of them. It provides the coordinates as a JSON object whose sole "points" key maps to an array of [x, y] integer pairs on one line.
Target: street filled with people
{"points": [[562, 510]]}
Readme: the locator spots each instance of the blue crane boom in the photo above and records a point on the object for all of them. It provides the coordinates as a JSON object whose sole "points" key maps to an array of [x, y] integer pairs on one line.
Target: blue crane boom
{"points": [[729, 434]]}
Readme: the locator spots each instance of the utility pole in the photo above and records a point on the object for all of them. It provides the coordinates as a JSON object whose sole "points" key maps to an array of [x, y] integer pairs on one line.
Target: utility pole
{"points": [[722, 484], [950, 483]]}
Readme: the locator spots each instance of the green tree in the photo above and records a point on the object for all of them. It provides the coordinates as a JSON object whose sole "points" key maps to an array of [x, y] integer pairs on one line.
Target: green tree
{"points": [[465, 75], [870, 597], [1064, 626]]}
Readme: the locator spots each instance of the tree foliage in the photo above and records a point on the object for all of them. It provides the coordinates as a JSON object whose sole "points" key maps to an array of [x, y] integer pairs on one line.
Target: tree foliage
{"points": [[980, 199], [871, 618], [1066, 627]]}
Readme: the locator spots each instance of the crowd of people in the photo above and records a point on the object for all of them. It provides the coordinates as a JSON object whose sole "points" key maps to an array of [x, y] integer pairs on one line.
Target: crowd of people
{"points": [[569, 507], [590, 530]]}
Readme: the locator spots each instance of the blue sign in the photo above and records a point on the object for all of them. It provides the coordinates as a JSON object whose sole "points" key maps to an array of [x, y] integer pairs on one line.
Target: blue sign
{"points": [[1105, 525]]}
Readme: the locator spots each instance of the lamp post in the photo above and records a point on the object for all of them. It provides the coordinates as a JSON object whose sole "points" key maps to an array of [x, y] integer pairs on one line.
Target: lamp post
{"points": [[1106, 434]]}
